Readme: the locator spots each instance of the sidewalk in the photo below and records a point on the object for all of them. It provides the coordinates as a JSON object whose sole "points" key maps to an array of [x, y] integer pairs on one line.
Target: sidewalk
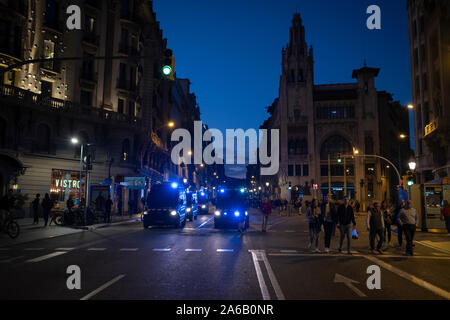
{"points": [[30, 232]]}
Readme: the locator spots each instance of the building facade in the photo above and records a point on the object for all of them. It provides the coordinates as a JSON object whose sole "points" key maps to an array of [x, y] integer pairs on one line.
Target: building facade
{"points": [[429, 42], [118, 104], [320, 122]]}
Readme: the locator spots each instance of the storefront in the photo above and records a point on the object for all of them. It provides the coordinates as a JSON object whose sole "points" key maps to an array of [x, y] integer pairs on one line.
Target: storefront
{"points": [[65, 184]]}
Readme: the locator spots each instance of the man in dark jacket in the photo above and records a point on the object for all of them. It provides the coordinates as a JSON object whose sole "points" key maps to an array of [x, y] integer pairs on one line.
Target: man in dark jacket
{"points": [[345, 218], [375, 226], [47, 205], [329, 221], [35, 204]]}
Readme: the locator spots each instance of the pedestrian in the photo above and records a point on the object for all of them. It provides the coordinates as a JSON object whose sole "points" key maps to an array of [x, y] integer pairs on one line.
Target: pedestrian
{"points": [[35, 205], [329, 221], [47, 205], [357, 205], [69, 218], [387, 218], [266, 208], [375, 226], [108, 206], [445, 215], [314, 216], [346, 217], [407, 218], [399, 226]]}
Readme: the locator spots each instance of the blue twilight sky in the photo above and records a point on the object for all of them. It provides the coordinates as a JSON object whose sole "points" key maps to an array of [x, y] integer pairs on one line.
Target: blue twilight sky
{"points": [[231, 49]]}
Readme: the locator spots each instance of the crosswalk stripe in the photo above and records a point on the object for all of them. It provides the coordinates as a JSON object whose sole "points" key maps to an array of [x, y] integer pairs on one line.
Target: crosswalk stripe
{"points": [[162, 249], [47, 256], [96, 249], [129, 249], [64, 249], [193, 250], [224, 250]]}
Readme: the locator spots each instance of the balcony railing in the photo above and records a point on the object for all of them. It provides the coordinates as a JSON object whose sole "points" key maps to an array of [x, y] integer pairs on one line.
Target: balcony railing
{"points": [[25, 97]]}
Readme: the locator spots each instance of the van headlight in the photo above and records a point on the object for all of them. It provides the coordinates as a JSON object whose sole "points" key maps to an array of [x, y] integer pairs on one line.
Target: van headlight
{"points": [[246, 213], [236, 213], [217, 213], [188, 209], [203, 206], [145, 213], [173, 213]]}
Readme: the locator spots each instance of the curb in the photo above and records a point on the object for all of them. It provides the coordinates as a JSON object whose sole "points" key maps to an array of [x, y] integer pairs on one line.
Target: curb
{"points": [[105, 225]]}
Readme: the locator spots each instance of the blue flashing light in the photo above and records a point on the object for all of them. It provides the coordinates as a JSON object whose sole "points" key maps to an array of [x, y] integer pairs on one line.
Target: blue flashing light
{"points": [[225, 213], [236, 213], [202, 194], [242, 190], [174, 185], [222, 190]]}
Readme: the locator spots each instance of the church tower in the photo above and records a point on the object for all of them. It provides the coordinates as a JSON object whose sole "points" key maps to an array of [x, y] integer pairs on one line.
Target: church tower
{"points": [[297, 113]]}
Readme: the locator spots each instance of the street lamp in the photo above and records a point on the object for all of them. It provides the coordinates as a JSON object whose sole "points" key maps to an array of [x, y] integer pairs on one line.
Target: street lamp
{"points": [[410, 106], [74, 140], [412, 164], [402, 136], [267, 184]]}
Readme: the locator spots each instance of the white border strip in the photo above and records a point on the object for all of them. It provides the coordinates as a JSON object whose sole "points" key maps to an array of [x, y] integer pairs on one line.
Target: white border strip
{"points": [[262, 283], [103, 287]]}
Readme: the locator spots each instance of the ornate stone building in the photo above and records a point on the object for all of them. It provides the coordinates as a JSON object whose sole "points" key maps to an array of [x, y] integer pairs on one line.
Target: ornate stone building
{"points": [[429, 42], [121, 105], [319, 122]]}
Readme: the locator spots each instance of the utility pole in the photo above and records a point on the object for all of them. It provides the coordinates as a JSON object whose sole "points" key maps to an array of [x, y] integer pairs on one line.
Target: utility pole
{"points": [[345, 179], [329, 175]]}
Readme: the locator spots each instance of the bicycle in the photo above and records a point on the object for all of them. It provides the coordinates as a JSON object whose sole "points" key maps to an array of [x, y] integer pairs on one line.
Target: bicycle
{"points": [[9, 226]]}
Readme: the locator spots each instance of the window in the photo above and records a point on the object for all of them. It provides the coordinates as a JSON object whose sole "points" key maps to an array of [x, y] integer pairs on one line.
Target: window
{"points": [[86, 97], [87, 71], [298, 170], [125, 9], [46, 88], [301, 146], [120, 105], [370, 169], [131, 108], [122, 75], [49, 53], [51, 14], [290, 170], [368, 144], [334, 145], [291, 146], [324, 170], [89, 24], [125, 150], [305, 170], [335, 112], [300, 75]]}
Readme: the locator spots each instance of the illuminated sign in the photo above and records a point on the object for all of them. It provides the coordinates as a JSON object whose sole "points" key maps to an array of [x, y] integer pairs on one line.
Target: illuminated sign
{"points": [[64, 183]]}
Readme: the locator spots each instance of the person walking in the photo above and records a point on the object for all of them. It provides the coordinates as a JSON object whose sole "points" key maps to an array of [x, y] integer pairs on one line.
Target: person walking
{"points": [[408, 220], [314, 216], [47, 205], [266, 208], [329, 221], [35, 205], [387, 218], [375, 226], [399, 226], [108, 206], [346, 217], [445, 215]]}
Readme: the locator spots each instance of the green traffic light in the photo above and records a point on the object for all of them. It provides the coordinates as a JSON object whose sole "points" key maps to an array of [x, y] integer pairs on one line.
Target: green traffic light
{"points": [[166, 70], [410, 183]]}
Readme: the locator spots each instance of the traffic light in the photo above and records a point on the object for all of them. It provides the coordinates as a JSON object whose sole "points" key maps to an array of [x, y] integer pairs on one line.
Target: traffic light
{"points": [[411, 179], [290, 186], [339, 158], [168, 65]]}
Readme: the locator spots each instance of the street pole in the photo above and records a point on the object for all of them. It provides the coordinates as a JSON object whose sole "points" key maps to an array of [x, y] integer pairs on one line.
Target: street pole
{"points": [[345, 179], [81, 173], [329, 175]]}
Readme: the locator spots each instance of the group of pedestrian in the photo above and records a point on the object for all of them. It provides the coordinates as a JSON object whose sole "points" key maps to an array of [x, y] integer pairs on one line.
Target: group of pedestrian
{"points": [[46, 204], [326, 216]]}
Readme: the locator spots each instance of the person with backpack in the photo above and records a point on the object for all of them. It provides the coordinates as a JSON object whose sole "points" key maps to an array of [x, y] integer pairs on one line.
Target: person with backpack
{"points": [[375, 226], [47, 205]]}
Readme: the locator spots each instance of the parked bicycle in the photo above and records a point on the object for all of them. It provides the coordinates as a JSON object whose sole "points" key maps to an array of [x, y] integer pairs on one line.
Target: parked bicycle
{"points": [[9, 226]]}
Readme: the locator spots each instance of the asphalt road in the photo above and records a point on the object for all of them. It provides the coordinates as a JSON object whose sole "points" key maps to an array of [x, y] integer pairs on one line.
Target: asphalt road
{"points": [[199, 262]]}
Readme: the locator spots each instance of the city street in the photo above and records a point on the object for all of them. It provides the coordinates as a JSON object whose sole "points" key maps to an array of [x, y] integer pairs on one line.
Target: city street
{"points": [[199, 262]]}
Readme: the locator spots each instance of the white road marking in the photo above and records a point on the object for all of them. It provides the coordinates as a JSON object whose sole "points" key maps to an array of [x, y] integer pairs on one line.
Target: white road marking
{"points": [[288, 251], [205, 222], [325, 255], [33, 249], [349, 283], [225, 250], [427, 244], [96, 249], [259, 275], [436, 290], [103, 287], [47, 256], [162, 249], [64, 249], [10, 259], [193, 250], [129, 249], [273, 279]]}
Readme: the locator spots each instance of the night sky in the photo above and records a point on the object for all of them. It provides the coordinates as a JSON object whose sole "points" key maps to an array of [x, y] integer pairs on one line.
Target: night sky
{"points": [[231, 49]]}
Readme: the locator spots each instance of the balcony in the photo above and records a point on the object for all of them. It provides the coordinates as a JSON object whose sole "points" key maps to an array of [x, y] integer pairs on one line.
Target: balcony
{"points": [[44, 103], [430, 128]]}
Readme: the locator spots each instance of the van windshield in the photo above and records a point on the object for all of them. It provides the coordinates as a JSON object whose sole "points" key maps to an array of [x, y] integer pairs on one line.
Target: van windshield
{"points": [[162, 197], [230, 198]]}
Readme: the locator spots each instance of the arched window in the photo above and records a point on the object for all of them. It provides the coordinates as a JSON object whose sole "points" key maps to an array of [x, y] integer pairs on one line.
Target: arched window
{"points": [[334, 145], [43, 138], [125, 156]]}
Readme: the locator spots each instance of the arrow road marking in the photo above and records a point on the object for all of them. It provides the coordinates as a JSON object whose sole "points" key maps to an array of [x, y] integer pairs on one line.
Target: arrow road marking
{"points": [[338, 278], [103, 287]]}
